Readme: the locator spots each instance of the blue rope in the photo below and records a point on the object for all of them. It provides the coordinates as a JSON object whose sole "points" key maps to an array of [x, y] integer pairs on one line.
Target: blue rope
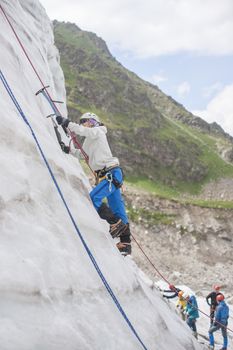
{"points": [[107, 286]]}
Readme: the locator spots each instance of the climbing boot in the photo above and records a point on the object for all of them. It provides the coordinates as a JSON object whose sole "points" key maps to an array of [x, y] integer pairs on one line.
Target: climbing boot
{"points": [[124, 248], [195, 335], [106, 213], [117, 229]]}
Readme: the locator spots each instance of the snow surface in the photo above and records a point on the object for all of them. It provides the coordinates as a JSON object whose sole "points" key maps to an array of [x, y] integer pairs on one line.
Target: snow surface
{"points": [[51, 296]]}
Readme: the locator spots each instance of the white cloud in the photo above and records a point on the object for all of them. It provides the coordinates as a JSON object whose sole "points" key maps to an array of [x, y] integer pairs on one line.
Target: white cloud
{"points": [[220, 109], [158, 78], [183, 89], [153, 27], [208, 91]]}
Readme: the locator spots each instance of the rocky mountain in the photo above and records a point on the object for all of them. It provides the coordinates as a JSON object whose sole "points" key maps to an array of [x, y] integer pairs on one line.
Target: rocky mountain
{"points": [[191, 244], [155, 137]]}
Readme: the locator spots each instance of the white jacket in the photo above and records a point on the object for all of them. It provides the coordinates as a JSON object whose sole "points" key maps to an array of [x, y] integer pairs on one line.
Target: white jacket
{"points": [[95, 146]]}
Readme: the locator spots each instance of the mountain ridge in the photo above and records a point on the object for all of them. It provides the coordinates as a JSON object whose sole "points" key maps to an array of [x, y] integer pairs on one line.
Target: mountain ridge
{"points": [[143, 122]]}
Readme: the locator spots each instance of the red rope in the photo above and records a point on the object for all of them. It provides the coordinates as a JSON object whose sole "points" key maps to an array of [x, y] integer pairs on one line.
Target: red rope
{"points": [[152, 264], [74, 138], [20, 43]]}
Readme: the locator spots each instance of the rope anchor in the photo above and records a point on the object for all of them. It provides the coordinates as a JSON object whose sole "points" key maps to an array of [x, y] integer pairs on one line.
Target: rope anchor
{"points": [[109, 178]]}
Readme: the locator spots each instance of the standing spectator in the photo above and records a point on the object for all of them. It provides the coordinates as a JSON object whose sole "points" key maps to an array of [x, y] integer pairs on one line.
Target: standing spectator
{"points": [[220, 321], [211, 301]]}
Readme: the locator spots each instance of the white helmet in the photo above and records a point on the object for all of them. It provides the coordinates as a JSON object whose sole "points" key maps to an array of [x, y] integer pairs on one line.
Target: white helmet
{"points": [[185, 295], [89, 115]]}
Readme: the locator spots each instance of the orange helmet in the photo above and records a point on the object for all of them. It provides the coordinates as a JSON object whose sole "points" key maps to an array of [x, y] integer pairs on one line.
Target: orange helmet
{"points": [[180, 294], [220, 297], [216, 287]]}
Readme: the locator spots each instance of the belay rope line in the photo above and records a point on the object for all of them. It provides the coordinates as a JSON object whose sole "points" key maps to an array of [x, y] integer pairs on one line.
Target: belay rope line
{"points": [[73, 137], [147, 257], [94, 262]]}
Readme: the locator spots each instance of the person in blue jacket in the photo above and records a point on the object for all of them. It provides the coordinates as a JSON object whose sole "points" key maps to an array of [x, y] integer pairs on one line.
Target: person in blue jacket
{"points": [[192, 312], [220, 322]]}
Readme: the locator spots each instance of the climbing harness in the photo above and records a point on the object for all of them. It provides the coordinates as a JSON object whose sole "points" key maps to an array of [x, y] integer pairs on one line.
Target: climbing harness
{"points": [[94, 262], [109, 178], [106, 174]]}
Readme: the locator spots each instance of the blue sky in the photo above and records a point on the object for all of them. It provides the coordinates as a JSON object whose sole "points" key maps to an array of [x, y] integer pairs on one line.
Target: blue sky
{"points": [[184, 47], [205, 75]]}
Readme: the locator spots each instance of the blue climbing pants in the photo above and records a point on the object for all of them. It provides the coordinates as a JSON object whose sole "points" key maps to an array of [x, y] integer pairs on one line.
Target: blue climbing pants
{"points": [[107, 189], [224, 334], [191, 322]]}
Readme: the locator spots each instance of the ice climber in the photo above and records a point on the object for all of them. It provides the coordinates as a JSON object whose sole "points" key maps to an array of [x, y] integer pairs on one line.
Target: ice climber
{"points": [[220, 322], [192, 312], [109, 176], [211, 301]]}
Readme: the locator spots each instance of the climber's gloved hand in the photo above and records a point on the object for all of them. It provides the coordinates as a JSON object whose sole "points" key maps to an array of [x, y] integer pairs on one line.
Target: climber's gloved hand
{"points": [[62, 121], [64, 148]]}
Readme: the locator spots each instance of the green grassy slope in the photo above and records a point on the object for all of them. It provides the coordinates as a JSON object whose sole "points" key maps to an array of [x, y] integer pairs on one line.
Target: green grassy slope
{"points": [[150, 132]]}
